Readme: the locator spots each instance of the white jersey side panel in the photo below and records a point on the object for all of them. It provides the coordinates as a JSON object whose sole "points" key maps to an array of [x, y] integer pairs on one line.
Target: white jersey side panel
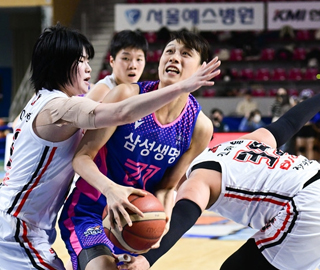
{"points": [[257, 180], [109, 81], [39, 172]]}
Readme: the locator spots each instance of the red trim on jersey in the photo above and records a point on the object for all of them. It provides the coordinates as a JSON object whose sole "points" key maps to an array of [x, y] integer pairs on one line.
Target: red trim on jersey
{"points": [[284, 224], [16, 213], [243, 198], [25, 238]]}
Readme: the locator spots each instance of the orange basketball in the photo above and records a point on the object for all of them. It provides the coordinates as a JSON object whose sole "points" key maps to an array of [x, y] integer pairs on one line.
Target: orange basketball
{"points": [[145, 231]]}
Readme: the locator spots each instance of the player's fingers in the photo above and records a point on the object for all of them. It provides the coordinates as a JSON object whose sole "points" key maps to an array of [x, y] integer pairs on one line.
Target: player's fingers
{"points": [[111, 219], [211, 71], [125, 214], [139, 192], [214, 66], [117, 220], [211, 65], [134, 209]]}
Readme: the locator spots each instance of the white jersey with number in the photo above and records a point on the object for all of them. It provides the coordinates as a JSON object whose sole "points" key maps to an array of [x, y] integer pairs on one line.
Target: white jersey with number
{"points": [[109, 81], [269, 190], [38, 172], [35, 186]]}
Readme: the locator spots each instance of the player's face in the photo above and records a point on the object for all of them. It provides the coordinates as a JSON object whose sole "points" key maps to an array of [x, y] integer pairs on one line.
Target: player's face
{"points": [[80, 81], [177, 63], [128, 65]]}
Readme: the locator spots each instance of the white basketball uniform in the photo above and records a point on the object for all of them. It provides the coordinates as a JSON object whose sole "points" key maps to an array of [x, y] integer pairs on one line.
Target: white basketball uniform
{"points": [[38, 177], [109, 81], [269, 190]]}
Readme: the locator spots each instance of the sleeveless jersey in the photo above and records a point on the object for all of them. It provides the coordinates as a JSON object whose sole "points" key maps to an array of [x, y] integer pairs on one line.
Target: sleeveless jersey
{"points": [[39, 172], [139, 153], [108, 81], [257, 180]]}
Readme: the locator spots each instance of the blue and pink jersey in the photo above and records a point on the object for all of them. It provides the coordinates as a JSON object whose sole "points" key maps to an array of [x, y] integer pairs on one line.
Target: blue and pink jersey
{"points": [[137, 155]]}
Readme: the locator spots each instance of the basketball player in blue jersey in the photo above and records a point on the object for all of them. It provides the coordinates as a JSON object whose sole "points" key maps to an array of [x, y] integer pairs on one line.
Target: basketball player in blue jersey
{"points": [[251, 181], [128, 53], [152, 153], [39, 170]]}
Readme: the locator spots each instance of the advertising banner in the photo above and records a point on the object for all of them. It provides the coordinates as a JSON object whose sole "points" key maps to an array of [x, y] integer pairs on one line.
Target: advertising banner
{"points": [[203, 16], [299, 15]]}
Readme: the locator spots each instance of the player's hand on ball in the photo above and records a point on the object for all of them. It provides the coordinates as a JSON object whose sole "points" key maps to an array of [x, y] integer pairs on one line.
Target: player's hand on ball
{"points": [[136, 263], [118, 204], [145, 231]]}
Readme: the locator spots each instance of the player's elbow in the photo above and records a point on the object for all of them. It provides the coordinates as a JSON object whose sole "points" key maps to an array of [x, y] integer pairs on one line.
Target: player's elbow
{"points": [[76, 163]]}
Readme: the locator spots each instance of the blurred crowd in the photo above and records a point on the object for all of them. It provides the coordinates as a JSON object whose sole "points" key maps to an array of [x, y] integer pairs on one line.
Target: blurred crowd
{"points": [[306, 142]]}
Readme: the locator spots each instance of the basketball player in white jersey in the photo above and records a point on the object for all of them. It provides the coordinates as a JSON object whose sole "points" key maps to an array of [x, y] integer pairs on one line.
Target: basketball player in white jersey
{"points": [[250, 181], [39, 170], [128, 53]]}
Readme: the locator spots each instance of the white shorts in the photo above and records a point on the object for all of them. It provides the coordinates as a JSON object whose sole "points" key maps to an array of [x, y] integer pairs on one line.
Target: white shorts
{"points": [[292, 240], [23, 246]]}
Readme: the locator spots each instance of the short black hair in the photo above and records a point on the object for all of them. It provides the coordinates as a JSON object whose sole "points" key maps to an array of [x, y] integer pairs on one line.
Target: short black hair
{"points": [[55, 57], [128, 39], [193, 41], [214, 110]]}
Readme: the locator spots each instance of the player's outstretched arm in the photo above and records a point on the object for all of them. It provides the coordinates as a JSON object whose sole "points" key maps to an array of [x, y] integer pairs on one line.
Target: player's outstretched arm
{"points": [[132, 109]]}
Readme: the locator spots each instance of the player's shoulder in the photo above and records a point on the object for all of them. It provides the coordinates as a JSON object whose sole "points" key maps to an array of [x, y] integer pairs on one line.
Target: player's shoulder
{"points": [[122, 91], [204, 124]]}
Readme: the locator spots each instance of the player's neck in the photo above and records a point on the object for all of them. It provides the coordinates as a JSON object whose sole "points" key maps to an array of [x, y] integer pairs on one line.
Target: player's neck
{"points": [[170, 112]]}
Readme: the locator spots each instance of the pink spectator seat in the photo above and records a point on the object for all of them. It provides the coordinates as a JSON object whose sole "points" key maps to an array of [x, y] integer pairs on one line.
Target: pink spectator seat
{"points": [[236, 55], [154, 56], [107, 57], [151, 37], [303, 35], [293, 92], [235, 73], [259, 92], [273, 92], [311, 74], [299, 54], [158, 54], [103, 73], [279, 74], [295, 74], [247, 74], [151, 56], [267, 54], [209, 92], [263, 74]]}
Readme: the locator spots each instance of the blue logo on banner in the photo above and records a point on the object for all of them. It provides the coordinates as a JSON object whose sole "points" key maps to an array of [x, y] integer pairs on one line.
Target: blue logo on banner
{"points": [[133, 15]]}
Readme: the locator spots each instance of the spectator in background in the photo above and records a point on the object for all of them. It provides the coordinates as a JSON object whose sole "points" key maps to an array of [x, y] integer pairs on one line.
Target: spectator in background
{"points": [[247, 105], [281, 104], [217, 120], [305, 137], [251, 123], [278, 108]]}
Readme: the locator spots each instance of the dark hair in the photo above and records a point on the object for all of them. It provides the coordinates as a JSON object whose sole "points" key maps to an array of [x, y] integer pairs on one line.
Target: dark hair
{"points": [[193, 41], [128, 39], [253, 113], [214, 110], [55, 57]]}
